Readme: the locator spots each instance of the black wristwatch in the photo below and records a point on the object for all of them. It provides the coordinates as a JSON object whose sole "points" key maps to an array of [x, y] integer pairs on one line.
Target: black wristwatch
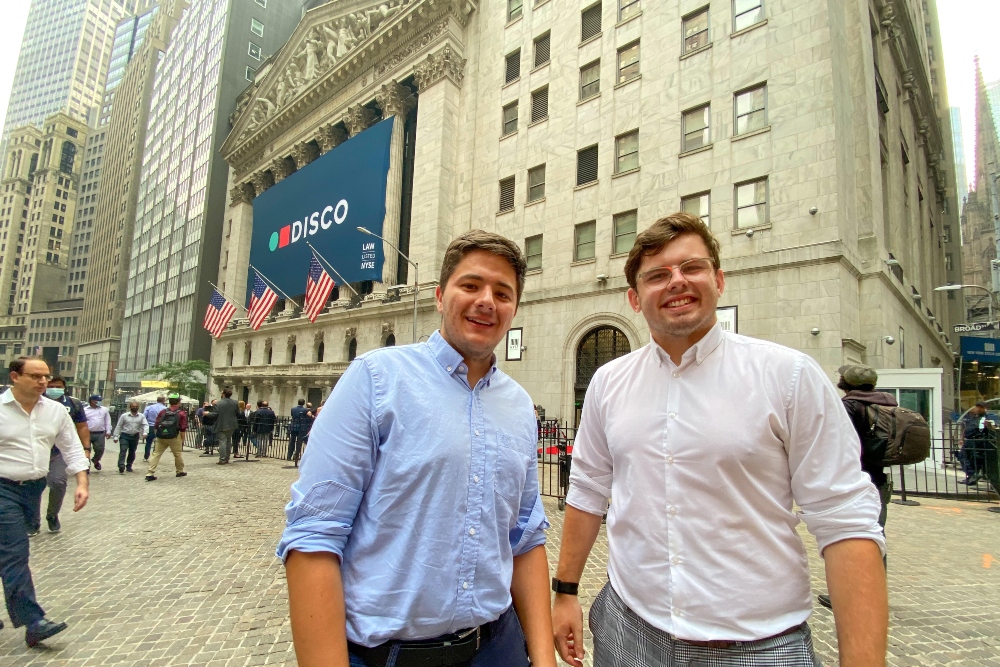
{"points": [[564, 587]]}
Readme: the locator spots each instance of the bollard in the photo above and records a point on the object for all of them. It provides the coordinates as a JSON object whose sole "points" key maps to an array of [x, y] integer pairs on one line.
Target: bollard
{"points": [[902, 491]]}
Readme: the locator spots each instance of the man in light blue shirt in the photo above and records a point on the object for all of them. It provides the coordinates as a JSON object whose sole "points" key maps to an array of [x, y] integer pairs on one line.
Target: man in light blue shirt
{"points": [[151, 413], [415, 532]]}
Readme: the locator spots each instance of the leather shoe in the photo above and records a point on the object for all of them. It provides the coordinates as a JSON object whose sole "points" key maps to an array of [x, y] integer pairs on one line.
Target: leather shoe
{"points": [[42, 630], [824, 600], [150, 478], [97, 465], [181, 474]]}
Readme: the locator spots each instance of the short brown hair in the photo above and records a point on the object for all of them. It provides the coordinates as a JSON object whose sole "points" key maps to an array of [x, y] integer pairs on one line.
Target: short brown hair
{"points": [[17, 365], [662, 232], [478, 239]]}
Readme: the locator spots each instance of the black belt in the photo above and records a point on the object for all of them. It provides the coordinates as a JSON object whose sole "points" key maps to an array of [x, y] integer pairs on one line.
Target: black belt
{"points": [[441, 651], [19, 482]]}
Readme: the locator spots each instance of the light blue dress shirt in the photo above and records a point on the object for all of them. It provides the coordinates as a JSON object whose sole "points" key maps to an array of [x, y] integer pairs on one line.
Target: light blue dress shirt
{"points": [[425, 487]]}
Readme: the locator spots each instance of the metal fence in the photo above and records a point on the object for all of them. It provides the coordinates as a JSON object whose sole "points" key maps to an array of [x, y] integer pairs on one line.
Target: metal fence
{"points": [[273, 445], [555, 457]]}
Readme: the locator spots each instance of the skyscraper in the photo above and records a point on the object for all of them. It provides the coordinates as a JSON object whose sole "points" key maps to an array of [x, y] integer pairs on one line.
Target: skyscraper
{"points": [[213, 54], [993, 96], [961, 178], [63, 60]]}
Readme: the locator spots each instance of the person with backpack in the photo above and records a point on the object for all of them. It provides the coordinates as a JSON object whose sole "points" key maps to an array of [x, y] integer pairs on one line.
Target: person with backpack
{"points": [[263, 428], [170, 426], [977, 434]]}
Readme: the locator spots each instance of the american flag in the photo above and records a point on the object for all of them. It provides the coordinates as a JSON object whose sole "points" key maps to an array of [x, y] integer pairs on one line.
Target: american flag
{"points": [[262, 300], [319, 284], [219, 312]]}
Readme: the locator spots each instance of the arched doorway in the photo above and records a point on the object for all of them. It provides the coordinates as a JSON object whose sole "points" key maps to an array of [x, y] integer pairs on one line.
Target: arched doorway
{"points": [[597, 348]]}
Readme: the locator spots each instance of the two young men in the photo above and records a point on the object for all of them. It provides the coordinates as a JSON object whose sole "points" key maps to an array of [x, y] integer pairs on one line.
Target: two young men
{"points": [[416, 533]]}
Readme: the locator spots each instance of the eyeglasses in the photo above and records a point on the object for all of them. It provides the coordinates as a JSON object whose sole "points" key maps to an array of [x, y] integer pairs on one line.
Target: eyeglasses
{"points": [[699, 268], [38, 377]]}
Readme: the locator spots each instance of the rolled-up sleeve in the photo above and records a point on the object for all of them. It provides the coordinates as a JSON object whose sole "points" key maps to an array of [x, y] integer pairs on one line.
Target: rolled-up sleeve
{"points": [[837, 499], [531, 522], [591, 472], [68, 442], [336, 468]]}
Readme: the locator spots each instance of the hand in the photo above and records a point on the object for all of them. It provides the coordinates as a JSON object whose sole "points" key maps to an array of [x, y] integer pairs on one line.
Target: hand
{"points": [[567, 625], [82, 495]]}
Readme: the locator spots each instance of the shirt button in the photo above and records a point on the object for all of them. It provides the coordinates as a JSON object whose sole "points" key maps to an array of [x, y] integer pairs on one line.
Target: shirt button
{"points": [[472, 531], [448, 369], [670, 459], [677, 375], [673, 511], [676, 560], [477, 431], [673, 415], [461, 369], [475, 478], [465, 584]]}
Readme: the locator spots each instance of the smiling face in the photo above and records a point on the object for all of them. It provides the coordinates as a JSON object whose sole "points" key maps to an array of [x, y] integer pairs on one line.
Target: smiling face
{"points": [[477, 304], [682, 310]]}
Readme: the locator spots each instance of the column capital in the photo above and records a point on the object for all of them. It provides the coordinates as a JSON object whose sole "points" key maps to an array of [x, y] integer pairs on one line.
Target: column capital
{"points": [[242, 193], [394, 99], [303, 153], [444, 63], [358, 119], [280, 168], [262, 180], [330, 136]]}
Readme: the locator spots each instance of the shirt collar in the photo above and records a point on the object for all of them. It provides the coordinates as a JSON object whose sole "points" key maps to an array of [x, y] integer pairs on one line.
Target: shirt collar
{"points": [[451, 360], [699, 351], [7, 396]]}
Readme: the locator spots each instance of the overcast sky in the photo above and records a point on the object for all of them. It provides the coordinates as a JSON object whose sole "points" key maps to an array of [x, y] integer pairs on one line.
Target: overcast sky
{"points": [[968, 27]]}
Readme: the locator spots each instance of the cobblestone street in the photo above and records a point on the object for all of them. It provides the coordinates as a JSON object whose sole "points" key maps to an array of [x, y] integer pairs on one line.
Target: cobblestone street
{"points": [[182, 572]]}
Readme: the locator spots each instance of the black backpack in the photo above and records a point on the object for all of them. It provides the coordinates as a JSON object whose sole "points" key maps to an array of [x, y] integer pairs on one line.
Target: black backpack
{"points": [[904, 434], [169, 425]]}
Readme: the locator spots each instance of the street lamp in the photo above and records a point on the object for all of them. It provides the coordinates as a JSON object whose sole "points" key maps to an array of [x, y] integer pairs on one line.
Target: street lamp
{"points": [[952, 288], [416, 281]]}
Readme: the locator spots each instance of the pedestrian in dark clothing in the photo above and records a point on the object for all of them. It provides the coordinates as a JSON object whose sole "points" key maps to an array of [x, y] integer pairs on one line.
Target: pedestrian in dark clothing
{"points": [[295, 430], [242, 428], [978, 434], [208, 419], [228, 421], [263, 420]]}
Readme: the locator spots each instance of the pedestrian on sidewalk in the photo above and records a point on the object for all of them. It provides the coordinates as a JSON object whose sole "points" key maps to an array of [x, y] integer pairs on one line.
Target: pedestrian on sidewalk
{"points": [[977, 436], [208, 419], [417, 516], [56, 478], [199, 434], [151, 413], [295, 430], [170, 427], [242, 428], [30, 426], [263, 428], [705, 564], [99, 425], [130, 427], [226, 423]]}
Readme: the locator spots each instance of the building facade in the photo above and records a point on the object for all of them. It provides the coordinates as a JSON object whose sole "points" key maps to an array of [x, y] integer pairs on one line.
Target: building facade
{"points": [[958, 149], [55, 328], [213, 53], [806, 135]]}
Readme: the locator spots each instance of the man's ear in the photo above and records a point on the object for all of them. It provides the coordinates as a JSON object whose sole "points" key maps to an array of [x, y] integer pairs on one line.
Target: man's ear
{"points": [[633, 300], [439, 299]]}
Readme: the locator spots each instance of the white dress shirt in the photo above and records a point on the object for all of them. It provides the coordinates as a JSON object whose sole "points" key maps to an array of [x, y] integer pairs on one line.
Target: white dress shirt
{"points": [[98, 419], [703, 461], [131, 424], [26, 440]]}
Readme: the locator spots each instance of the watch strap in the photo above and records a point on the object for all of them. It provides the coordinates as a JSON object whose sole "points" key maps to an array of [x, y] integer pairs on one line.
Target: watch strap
{"points": [[565, 587]]}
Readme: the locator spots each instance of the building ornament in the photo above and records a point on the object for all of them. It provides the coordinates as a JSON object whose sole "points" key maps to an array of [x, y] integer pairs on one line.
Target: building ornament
{"points": [[444, 63], [350, 333], [394, 99], [242, 193], [303, 153], [317, 337], [262, 180], [388, 328], [291, 340], [280, 169], [358, 119], [329, 137]]}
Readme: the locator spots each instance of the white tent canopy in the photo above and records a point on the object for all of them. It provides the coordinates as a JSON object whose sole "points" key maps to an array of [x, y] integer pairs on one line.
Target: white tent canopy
{"points": [[151, 396]]}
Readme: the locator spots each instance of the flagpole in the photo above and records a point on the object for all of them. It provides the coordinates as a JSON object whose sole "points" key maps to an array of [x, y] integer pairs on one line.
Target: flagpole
{"points": [[327, 262], [271, 283], [234, 301]]}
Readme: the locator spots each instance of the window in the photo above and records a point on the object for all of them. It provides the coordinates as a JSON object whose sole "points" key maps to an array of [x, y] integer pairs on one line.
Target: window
{"points": [[946, 235], [628, 62], [628, 9], [251, 72], [254, 51], [262, 3], [509, 119], [590, 22], [747, 13], [902, 348], [624, 231], [751, 109], [513, 66], [542, 48], [352, 349], [586, 234], [949, 262], [627, 152], [256, 27], [507, 194], [586, 165], [695, 128], [536, 183], [696, 30], [514, 8], [533, 252], [697, 205], [751, 203], [590, 79], [540, 104]]}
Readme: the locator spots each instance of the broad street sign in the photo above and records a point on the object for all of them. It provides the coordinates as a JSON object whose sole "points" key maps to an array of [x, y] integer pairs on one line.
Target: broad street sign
{"points": [[976, 326]]}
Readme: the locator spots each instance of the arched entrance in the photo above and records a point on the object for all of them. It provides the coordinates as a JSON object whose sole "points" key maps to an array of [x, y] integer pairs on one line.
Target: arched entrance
{"points": [[597, 348]]}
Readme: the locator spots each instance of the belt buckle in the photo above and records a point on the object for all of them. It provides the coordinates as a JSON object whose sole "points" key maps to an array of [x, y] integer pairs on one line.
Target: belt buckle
{"points": [[466, 634]]}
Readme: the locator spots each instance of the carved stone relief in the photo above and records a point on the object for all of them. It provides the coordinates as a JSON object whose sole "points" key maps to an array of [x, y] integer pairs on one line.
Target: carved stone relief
{"points": [[242, 193], [439, 65], [358, 119], [329, 137], [350, 333], [262, 180], [394, 99], [281, 169], [304, 153]]}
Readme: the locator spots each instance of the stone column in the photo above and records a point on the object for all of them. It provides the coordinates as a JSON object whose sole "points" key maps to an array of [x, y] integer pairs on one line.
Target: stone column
{"points": [[395, 100], [236, 248]]}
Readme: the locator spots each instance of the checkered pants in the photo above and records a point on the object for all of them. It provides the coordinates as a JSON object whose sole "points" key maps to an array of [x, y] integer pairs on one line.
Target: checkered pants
{"points": [[622, 639]]}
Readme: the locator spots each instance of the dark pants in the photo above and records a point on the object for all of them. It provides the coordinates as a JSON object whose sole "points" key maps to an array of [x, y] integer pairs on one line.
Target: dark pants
{"points": [[56, 481], [19, 508], [127, 444], [150, 437], [506, 648], [294, 444], [97, 444], [239, 435], [973, 457]]}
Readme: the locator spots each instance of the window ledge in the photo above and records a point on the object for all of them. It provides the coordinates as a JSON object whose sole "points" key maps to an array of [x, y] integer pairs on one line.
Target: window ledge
{"points": [[700, 49], [587, 99], [628, 20], [748, 29], [539, 3], [510, 83], [505, 212], [617, 255], [591, 39], [532, 272], [625, 83], [511, 134], [514, 21], [694, 151], [743, 230], [538, 122], [626, 173], [534, 201], [747, 135], [540, 67], [581, 262], [586, 185]]}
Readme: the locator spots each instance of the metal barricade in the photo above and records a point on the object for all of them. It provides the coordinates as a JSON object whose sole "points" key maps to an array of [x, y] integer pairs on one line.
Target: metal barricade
{"points": [[555, 458], [952, 460]]}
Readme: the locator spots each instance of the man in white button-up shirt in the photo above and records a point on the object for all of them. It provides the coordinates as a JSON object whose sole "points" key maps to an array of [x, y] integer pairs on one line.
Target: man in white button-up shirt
{"points": [[705, 440], [30, 425]]}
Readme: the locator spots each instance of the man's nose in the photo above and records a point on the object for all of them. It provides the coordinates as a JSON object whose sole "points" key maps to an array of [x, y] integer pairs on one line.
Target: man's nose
{"points": [[677, 280], [486, 299]]}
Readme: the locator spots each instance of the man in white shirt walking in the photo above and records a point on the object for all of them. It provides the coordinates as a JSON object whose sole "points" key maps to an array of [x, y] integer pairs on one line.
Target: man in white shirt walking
{"points": [[705, 565], [99, 425], [30, 425], [130, 428]]}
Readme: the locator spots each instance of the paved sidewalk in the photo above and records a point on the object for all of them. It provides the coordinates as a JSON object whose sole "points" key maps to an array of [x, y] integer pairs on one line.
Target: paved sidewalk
{"points": [[182, 572]]}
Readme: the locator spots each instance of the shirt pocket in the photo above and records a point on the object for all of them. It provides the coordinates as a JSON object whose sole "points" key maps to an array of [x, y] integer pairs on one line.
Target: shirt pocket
{"points": [[509, 476]]}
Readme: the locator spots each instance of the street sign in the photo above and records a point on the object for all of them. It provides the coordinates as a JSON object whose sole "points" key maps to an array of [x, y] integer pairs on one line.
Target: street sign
{"points": [[976, 326], [980, 349], [154, 384], [514, 344]]}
